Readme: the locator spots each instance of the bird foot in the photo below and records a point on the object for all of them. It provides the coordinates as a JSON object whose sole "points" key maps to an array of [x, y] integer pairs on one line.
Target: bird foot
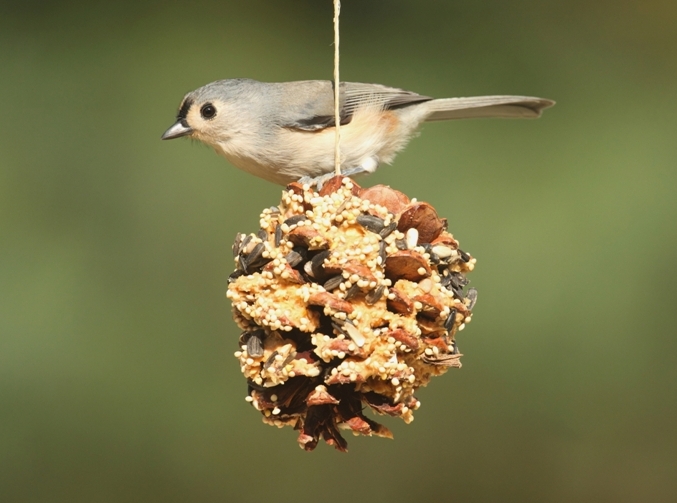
{"points": [[319, 181]]}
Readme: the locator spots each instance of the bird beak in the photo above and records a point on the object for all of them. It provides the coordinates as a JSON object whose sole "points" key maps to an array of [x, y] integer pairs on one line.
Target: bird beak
{"points": [[181, 128]]}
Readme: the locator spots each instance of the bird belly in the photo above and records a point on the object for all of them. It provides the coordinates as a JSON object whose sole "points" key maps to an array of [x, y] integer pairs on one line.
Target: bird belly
{"points": [[372, 136]]}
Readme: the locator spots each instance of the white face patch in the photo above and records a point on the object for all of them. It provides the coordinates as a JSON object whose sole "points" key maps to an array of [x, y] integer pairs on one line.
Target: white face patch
{"points": [[208, 120]]}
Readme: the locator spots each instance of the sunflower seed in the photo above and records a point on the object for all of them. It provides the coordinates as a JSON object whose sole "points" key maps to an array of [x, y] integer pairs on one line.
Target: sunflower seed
{"points": [[459, 279], [260, 260], [293, 258], [458, 292], [255, 258], [308, 269], [317, 263], [387, 230], [451, 320], [371, 223], [301, 251], [453, 280], [374, 295], [244, 336], [278, 235], [271, 359], [445, 281], [454, 348], [245, 243], [401, 244], [251, 385], [255, 345], [382, 252], [351, 292], [337, 326], [234, 275], [237, 245], [262, 234], [338, 322], [333, 283], [472, 297], [290, 357], [434, 259], [442, 360], [295, 220], [464, 256]]}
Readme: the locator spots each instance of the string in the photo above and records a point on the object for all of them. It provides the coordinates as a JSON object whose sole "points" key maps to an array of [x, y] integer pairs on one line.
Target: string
{"points": [[337, 94]]}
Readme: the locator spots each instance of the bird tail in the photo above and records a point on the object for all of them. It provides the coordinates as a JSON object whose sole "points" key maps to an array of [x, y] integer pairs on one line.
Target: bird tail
{"points": [[524, 107]]}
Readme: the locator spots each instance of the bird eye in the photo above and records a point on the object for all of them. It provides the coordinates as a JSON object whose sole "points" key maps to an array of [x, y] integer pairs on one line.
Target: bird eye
{"points": [[208, 111]]}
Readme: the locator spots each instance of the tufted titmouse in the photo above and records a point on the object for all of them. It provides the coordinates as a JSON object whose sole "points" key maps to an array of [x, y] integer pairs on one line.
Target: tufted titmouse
{"points": [[284, 132]]}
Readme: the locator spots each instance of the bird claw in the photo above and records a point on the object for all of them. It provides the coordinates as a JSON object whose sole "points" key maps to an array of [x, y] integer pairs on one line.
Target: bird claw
{"points": [[317, 181]]}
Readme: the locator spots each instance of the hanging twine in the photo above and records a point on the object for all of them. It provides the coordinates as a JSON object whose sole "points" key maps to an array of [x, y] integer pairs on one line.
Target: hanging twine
{"points": [[337, 111]]}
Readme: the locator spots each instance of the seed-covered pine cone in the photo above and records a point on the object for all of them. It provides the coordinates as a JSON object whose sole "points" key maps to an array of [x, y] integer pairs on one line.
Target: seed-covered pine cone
{"points": [[347, 297]]}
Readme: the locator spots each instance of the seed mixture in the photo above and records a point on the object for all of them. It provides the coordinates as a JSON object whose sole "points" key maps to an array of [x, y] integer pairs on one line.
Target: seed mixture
{"points": [[347, 297]]}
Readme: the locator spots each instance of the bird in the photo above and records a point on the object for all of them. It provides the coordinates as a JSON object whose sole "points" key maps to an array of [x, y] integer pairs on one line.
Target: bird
{"points": [[285, 131]]}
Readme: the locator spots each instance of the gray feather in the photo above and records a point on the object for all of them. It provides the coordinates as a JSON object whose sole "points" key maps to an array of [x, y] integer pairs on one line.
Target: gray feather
{"points": [[487, 106], [315, 100], [359, 95]]}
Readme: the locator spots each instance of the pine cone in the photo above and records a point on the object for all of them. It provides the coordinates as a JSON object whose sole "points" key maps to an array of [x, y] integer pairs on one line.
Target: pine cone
{"points": [[346, 297]]}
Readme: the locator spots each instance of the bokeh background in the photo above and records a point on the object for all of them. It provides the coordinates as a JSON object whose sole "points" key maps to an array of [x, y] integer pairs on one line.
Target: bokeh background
{"points": [[117, 376]]}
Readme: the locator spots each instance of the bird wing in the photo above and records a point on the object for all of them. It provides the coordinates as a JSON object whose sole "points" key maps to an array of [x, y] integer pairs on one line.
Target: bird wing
{"points": [[312, 105], [358, 95]]}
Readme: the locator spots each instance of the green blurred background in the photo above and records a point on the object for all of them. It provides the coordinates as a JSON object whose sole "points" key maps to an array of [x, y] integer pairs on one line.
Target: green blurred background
{"points": [[117, 376]]}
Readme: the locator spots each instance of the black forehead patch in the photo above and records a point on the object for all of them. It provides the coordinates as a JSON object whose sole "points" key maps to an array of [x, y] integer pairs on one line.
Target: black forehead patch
{"points": [[185, 106]]}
